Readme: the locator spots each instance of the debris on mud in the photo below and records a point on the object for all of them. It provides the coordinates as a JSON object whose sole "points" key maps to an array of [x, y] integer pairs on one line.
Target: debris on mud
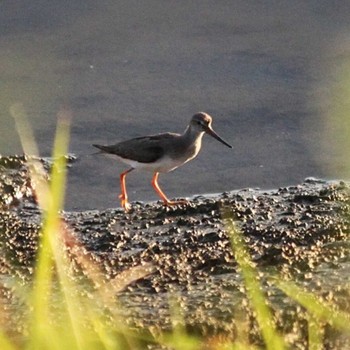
{"points": [[298, 232]]}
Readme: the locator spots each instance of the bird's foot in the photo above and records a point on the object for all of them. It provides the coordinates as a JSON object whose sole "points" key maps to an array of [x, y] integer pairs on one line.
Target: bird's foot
{"points": [[124, 203], [176, 202]]}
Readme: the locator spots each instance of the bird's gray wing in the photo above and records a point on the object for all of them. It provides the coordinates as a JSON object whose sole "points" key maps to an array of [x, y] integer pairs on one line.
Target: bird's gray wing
{"points": [[145, 149]]}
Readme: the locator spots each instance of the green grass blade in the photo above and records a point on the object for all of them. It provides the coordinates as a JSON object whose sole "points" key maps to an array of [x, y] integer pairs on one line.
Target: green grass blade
{"points": [[24, 129], [56, 232], [43, 272], [272, 339], [315, 334], [59, 168], [319, 310], [5, 343], [36, 169], [50, 198]]}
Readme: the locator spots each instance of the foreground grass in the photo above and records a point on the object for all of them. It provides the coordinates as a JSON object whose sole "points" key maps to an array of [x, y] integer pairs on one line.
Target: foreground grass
{"points": [[60, 314]]}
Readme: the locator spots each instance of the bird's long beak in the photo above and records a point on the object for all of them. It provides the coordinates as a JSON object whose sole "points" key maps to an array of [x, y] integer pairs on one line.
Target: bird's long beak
{"points": [[212, 133]]}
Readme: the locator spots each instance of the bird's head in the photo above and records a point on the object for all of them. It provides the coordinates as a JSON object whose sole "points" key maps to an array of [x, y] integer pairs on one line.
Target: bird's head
{"points": [[201, 122]]}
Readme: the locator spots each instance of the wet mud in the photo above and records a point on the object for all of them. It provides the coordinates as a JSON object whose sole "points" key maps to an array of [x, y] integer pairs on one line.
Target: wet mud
{"points": [[299, 232]]}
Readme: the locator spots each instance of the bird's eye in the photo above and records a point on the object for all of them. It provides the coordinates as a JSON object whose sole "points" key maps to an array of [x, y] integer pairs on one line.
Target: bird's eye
{"points": [[198, 122]]}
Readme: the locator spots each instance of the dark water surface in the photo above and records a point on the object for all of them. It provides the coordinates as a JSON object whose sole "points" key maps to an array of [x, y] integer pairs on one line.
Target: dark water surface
{"points": [[270, 73]]}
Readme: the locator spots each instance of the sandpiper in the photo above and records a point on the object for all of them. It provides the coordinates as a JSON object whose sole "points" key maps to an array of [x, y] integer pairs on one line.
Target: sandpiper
{"points": [[161, 153]]}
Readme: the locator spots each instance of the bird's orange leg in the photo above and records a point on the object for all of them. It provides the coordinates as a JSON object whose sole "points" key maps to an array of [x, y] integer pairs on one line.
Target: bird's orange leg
{"points": [[124, 196], [161, 193]]}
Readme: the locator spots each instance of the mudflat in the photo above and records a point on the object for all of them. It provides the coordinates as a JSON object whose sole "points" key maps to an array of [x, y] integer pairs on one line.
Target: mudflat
{"points": [[297, 232]]}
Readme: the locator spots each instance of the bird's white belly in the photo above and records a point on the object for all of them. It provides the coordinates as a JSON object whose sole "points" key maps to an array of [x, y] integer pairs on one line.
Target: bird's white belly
{"points": [[162, 165]]}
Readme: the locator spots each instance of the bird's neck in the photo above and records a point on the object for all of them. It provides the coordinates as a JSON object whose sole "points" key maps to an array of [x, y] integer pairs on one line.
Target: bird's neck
{"points": [[192, 136]]}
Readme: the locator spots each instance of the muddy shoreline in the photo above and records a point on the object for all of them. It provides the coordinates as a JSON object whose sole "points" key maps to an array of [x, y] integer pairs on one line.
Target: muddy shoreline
{"points": [[298, 232]]}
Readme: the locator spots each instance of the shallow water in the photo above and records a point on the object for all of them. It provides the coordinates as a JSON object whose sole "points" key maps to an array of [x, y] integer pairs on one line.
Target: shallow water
{"points": [[267, 72]]}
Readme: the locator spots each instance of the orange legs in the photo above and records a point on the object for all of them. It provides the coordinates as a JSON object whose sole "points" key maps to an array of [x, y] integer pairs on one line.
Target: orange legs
{"points": [[161, 193], [124, 196]]}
